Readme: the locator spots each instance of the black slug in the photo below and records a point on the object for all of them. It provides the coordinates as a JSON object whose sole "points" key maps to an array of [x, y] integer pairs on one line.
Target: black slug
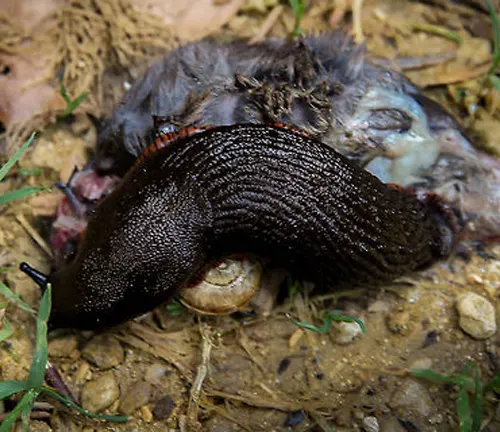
{"points": [[256, 189]]}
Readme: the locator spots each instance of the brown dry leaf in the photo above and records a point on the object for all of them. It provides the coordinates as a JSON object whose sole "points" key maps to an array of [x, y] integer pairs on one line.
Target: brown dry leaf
{"points": [[22, 94], [29, 14], [192, 19]]}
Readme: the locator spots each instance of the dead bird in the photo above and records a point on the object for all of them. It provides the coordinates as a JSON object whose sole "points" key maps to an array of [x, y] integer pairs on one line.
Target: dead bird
{"points": [[326, 86]]}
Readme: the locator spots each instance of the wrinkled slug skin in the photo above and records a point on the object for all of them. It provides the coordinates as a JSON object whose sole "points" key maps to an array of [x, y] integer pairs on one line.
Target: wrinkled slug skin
{"points": [[242, 189]]}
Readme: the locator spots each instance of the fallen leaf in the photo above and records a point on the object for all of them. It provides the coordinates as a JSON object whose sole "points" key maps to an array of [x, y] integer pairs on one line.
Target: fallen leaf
{"points": [[192, 19], [22, 94]]}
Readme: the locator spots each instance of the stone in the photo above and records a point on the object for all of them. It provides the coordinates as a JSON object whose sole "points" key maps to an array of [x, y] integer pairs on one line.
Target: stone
{"points": [[99, 394], [476, 316], [422, 363], [379, 306], [399, 322], [63, 346], [136, 395], [412, 396], [155, 374], [164, 407], [345, 332], [104, 351], [370, 424]]}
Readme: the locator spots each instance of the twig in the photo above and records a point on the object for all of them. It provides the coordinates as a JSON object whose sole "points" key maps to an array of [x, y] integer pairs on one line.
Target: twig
{"points": [[194, 397], [438, 31], [357, 6], [243, 341], [418, 62], [338, 13], [267, 25], [268, 390], [223, 413], [34, 234], [260, 402], [461, 75]]}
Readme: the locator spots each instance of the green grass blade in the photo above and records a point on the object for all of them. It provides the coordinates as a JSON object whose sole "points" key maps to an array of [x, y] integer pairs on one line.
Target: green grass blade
{"points": [[293, 288], [21, 193], [175, 308], [430, 375], [494, 384], [71, 105], [30, 172], [37, 371], [6, 331], [495, 81], [299, 9], [6, 269], [8, 388], [340, 317], [9, 421], [439, 31], [8, 165], [25, 414], [64, 94], [477, 403], [463, 410], [45, 305], [328, 317], [10, 296], [496, 37], [468, 369], [71, 404], [327, 326]]}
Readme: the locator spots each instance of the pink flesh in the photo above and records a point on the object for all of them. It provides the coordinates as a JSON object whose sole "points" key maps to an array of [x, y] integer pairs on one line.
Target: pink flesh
{"points": [[68, 225]]}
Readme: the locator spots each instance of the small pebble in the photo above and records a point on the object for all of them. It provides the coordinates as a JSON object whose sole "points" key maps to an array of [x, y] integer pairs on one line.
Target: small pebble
{"points": [[99, 394], [399, 322], [146, 414], [379, 306], [283, 365], [423, 363], [345, 332], [473, 278], [295, 418], [63, 346], [164, 407], [436, 419], [412, 395], [136, 395], [431, 338], [82, 373], [155, 373], [295, 338], [370, 424], [104, 351], [476, 316]]}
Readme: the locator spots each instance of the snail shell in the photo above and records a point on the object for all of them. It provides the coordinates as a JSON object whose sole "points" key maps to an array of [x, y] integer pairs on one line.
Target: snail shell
{"points": [[225, 288]]}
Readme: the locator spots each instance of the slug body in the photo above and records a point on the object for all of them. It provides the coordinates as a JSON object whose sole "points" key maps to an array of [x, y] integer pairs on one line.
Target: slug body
{"points": [[253, 189]]}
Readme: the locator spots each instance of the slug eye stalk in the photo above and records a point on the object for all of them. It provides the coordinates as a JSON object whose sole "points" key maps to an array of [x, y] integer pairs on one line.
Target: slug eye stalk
{"points": [[37, 276]]}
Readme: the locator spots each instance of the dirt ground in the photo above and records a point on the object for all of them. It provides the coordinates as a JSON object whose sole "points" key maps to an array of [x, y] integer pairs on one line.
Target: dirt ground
{"points": [[248, 372]]}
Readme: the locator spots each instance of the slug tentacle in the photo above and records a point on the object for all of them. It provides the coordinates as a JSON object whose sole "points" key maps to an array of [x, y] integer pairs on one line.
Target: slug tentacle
{"points": [[37, 276], [254, 189]]}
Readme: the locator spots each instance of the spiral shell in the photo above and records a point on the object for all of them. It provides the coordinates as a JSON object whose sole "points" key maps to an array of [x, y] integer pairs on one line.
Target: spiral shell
{"points": [[225, 288]]}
